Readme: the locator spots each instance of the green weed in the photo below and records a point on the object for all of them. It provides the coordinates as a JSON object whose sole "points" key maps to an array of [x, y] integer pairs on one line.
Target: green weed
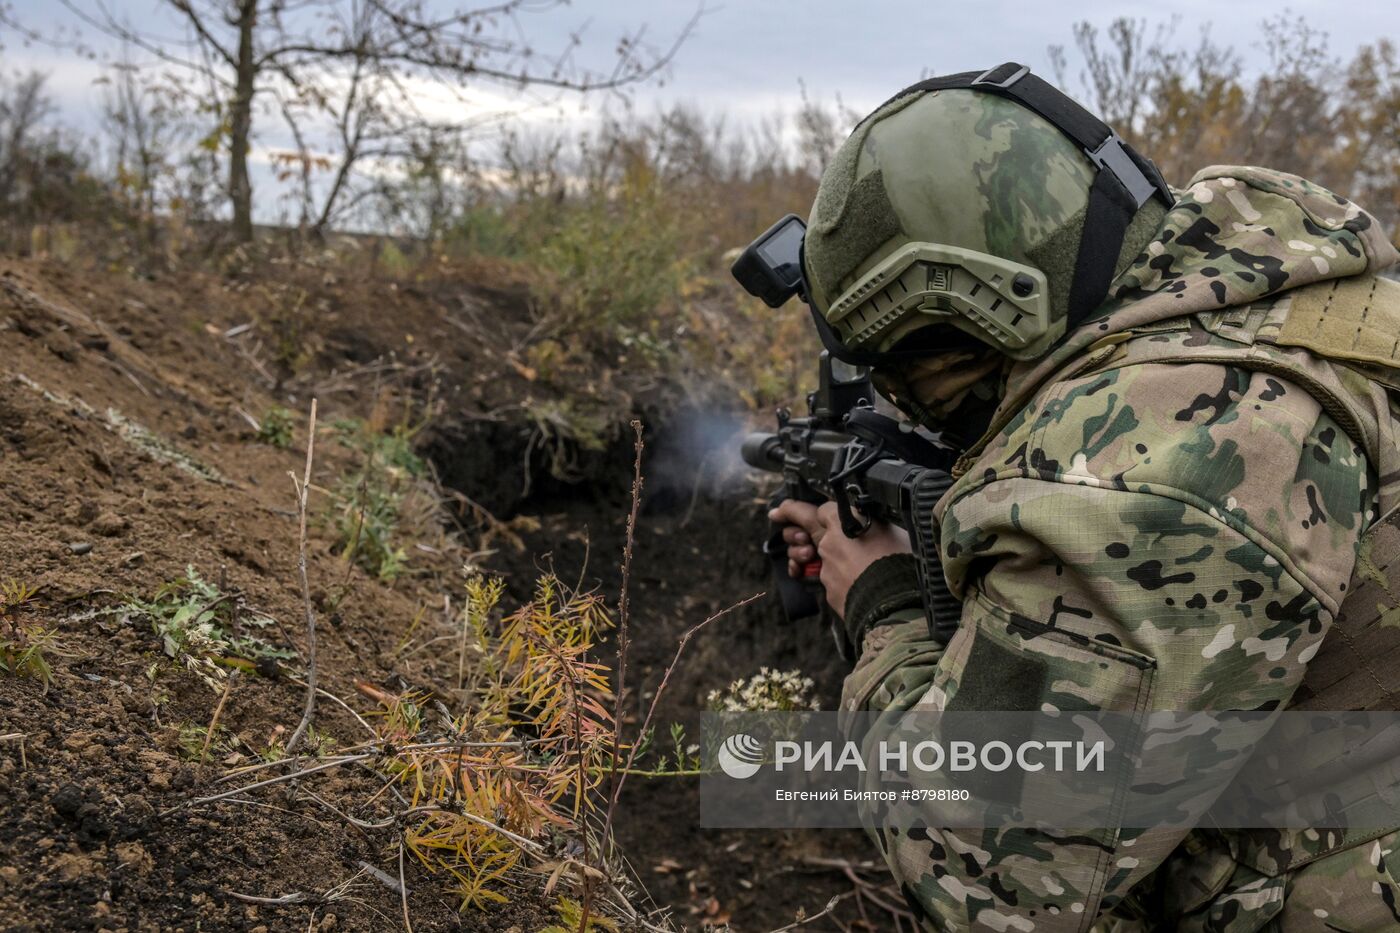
{"points": [[317, 744], [15, 595], [285, 323], [22, 649], [192, 741], [571, 919], [393, 260], [206, 631], [275, 428], [23, 654], [394, 447], [369, 503]]}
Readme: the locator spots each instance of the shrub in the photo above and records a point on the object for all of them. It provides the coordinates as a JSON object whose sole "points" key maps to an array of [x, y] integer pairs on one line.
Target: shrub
{"points": [[369, 503], [532, 681], [276, 427], [612, 264]]}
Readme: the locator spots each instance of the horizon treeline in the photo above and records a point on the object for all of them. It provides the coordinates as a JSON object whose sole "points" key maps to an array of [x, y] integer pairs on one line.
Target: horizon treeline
{"points": [[161, 149], [617, 233]]}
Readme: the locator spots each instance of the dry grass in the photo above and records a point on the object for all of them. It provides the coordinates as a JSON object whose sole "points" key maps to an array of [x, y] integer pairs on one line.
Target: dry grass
{"points": [[508, 783]]}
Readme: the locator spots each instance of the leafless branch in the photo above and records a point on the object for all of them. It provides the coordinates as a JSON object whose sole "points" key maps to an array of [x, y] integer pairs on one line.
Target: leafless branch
{"points": [[616, 791], [830, 906], [403, 891], [280, 779], [624, 604], [296, 897]]}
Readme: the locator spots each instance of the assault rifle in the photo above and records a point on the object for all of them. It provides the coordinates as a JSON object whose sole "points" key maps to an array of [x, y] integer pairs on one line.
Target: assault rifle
{"points": [[875, 468]]}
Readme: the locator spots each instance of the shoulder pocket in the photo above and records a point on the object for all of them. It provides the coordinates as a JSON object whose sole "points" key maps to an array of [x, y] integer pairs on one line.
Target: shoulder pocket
{"points": [[1014, 663]]}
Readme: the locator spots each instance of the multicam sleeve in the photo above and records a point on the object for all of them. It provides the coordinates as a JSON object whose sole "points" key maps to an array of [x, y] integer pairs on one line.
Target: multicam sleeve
{"points": [[1151, 538]]}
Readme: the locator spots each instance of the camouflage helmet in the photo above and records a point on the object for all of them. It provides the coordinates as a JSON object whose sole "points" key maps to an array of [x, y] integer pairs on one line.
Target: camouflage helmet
{"points": [[989, 203]]}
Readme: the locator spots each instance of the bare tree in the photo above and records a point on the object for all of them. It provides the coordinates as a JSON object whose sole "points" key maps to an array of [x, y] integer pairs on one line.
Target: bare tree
{"points": [[144, 120], [23, 108], [45, 169], [821, 130], [1119, 68], [1191, 106], [354, 60]]}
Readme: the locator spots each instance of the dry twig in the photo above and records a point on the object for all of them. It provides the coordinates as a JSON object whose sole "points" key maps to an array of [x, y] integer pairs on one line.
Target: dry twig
{"points": [[661, 688], [302, 489], [623, 616], [830, 906], [296, 897], [403, 891], [218, 711], [20, 736], [885, 897], [383, 877], [651, 712], [333, 763]]}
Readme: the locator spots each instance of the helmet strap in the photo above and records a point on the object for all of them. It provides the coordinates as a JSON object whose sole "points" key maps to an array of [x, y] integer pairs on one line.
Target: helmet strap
{"points": [[1110, 211]]}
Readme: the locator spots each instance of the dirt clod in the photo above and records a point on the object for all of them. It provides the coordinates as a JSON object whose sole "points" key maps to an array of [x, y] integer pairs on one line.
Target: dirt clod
{"points": [[108, 524], [67, 801]]}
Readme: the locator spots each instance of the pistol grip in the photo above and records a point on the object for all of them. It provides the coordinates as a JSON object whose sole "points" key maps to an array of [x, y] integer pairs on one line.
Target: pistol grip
{"points": [[800, 597]]}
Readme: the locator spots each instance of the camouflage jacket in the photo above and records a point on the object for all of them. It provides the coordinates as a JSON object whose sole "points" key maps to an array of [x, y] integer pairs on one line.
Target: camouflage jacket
{"points": [[1164, 515]]}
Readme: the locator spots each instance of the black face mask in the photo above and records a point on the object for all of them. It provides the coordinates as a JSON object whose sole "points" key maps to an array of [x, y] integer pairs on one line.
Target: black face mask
{"points": [[960, 420], [973, 416]]}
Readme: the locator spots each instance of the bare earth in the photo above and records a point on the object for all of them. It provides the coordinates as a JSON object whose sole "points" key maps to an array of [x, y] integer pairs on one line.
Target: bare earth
{"points": [[124, 460]]}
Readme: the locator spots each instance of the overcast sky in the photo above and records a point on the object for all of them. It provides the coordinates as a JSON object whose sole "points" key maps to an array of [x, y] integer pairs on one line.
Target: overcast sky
{"points": [[749, 55], [752, 54], [747, 58]]}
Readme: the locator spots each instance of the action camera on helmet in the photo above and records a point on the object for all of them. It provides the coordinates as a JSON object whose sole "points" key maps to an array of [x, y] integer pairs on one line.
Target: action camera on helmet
{"points": [[770, 267]]}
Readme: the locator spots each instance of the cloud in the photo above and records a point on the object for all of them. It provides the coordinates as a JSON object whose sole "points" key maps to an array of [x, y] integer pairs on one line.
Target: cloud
{"points": [[745, 62]]}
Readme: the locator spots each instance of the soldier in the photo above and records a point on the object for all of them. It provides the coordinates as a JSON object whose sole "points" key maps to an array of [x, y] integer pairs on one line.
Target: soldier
{"points": [[1179, 425]]}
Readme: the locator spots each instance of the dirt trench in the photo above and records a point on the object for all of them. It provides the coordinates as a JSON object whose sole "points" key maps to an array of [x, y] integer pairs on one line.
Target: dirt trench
{"points": [[125, 458], [697, 553]]}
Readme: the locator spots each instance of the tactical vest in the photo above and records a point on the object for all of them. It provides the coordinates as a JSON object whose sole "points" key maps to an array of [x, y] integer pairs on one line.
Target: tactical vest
{"points": [[1340, 341]]}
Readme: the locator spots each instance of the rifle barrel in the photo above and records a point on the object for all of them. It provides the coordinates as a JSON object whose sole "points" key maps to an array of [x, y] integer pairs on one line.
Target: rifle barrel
{"points": [[764, 451]]}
